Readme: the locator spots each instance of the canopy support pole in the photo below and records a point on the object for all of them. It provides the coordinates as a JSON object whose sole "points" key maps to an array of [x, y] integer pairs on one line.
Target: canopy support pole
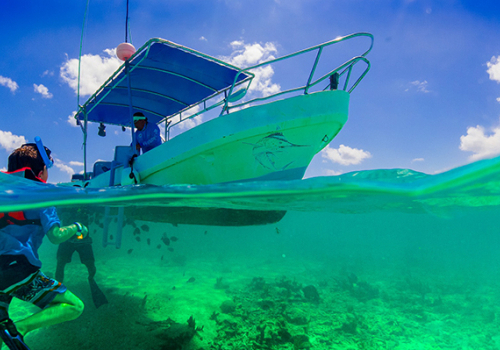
{"points": [[85, 122], [131, 110]]}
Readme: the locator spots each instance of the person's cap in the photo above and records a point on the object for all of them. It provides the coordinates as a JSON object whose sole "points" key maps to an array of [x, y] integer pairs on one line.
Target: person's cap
{"points": [[139, 116]]}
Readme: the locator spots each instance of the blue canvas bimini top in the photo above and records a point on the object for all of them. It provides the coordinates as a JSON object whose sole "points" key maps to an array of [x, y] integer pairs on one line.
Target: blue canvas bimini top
{"points": [[165, 78]]}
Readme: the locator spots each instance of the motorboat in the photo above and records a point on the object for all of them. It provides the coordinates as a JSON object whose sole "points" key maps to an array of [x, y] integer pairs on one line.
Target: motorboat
{"points": [[242, 137], [265, 138]]}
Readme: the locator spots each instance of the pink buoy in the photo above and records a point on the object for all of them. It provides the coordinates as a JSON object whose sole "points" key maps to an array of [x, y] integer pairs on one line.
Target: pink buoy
{"points": [[124, 51]]}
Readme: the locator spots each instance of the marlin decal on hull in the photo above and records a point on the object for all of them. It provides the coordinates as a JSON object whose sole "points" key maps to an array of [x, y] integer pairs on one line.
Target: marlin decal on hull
{"points": [[274, 151]]}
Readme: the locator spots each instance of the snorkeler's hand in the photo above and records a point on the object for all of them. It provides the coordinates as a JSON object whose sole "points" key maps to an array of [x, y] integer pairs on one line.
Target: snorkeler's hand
{"points": [[58, 234], [82, 230]]}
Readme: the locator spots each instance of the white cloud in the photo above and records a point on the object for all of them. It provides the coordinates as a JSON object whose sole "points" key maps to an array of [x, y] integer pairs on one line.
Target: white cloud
{"points": [[192, 122], [48, 73], [345, 155], [330, 172], [421, 86], [10, 142], [71, 120], [417, 160], [63, 167], [481, 143], [76, 163], [245, 55], [202, 38], [95, 69], [494, 68], [9, 83], [42, 90]]}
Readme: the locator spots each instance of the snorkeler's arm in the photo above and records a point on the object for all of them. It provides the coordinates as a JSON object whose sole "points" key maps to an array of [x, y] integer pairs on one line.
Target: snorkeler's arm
{"points": [[59, 234]]}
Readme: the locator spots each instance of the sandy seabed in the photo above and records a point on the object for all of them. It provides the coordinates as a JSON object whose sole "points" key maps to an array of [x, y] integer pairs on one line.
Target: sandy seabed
{"points": [[268, 293]]}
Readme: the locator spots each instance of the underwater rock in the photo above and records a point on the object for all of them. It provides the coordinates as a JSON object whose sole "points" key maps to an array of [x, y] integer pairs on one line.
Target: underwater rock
{"points": [[301, 341], [138, 239], [227, 307], [311, 293], [137, 231], [177, 336], [191, 280], [266, 304], [145, 228], [418, 287], [364, 291], [225, 320], [149, 241], [257, 283], [272, 333], [289, 287], [130, 251], [297, 316], [174, 239], [351, 324], [220, 285]]}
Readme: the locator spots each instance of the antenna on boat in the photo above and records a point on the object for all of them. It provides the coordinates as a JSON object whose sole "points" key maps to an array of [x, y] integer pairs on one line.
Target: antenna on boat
{"points": [[84, 127], [125, 50], [126, 25]]}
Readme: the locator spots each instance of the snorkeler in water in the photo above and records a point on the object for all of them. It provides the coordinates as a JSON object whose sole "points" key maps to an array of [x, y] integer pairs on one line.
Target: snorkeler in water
{"points": [[21, 234], [84, 248]]}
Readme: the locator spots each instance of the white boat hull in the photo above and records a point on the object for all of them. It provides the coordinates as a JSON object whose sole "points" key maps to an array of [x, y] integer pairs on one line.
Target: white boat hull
{"points": [[273, 141]]}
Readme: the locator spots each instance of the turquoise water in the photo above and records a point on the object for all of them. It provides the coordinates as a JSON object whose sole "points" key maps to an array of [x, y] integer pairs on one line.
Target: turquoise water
{"points": [[399, 260], [402, 190]]}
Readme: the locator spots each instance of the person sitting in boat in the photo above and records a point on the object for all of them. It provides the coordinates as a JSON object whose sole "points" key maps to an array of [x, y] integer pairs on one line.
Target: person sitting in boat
{"points": [[21, 234], [147, 135]]}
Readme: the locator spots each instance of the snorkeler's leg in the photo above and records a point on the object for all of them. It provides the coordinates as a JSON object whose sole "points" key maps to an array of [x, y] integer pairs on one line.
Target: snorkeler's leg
{"points": [[60, 270], [91, 268], [64, 252], [64, 307]]}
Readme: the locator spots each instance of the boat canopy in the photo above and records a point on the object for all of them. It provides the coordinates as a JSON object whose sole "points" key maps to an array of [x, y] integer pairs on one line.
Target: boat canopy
{"points": [[165, 78]]}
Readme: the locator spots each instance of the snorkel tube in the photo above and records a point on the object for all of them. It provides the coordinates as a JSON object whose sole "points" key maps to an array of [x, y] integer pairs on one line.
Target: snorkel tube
{"points": [[43, 153]]}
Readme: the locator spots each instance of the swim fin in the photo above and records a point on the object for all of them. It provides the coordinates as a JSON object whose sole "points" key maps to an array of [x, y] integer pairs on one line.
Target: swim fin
{"points": [[97, 295], [11, 337]]}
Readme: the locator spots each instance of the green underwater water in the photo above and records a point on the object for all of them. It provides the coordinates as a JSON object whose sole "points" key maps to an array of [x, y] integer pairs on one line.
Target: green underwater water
{"points": [[398, 259]]}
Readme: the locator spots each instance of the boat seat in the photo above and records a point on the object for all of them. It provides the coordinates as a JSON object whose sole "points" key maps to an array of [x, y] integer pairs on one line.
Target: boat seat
{"points": [[123, 155], [80, 177], [101, 166]]}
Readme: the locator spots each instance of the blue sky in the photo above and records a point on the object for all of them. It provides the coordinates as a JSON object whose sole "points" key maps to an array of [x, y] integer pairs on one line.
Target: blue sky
{"points": [[431, 101]]}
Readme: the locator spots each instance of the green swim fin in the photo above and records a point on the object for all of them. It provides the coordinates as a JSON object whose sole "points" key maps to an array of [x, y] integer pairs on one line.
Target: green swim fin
{"points": [[97, 295]]}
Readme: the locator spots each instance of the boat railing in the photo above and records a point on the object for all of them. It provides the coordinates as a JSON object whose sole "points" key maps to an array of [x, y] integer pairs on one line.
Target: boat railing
{"points": [[232, 100]]}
